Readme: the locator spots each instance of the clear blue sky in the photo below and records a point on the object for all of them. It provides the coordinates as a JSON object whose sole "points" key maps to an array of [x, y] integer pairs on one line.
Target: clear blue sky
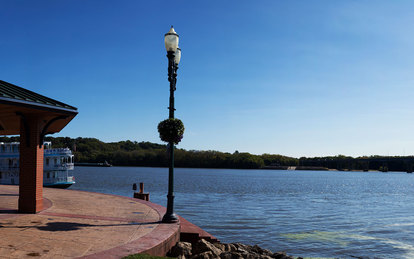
{"points": [[297, 78]]}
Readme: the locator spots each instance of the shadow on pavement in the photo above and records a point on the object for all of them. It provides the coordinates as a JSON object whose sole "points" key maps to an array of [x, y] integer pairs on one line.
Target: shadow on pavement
{"points": [[71, 226]]}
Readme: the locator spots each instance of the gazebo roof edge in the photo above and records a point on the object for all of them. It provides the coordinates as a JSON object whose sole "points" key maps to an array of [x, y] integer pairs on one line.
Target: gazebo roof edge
{"points": [[16, 94]]}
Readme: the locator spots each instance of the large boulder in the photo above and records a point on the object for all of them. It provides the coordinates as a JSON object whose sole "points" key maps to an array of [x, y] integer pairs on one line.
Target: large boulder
{"points": [[230, 248], [257, 249], [205, 255], [220, 246], [264, 253], [242, 247], [181, 248], [204, 246], [231, 255], [281, 255]]}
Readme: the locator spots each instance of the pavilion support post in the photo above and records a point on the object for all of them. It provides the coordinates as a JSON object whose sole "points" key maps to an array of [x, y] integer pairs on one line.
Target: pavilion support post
{"points": [[31, 165]]}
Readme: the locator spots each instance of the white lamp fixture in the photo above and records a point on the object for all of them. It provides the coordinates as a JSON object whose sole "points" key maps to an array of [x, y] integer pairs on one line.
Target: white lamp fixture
{"points": [[171, 40], [177, 56]]}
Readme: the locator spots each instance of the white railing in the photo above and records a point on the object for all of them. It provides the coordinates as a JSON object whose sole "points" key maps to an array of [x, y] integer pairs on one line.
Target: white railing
{"points": [[65, 166], [57, 151], [64, 151]]}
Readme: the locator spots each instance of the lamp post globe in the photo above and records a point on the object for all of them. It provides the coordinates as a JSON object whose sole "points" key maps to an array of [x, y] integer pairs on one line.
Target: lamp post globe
{"points": [[174, 56], [171, 40], [177, 57]]}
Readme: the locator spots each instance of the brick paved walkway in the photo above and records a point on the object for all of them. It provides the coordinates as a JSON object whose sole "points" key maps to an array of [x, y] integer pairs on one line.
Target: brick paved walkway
{"points": [[82, 224]]}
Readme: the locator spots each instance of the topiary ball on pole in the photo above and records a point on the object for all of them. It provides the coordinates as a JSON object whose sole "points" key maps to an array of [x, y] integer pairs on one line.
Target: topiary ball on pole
{"points": [[171, 130]]}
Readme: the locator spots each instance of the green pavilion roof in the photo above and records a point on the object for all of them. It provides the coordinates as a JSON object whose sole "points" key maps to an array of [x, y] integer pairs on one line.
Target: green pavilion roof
{"points": [[14, 93], [17, 103]]}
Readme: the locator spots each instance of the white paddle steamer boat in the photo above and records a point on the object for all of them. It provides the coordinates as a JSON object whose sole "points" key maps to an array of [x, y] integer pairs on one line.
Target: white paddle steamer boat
{"points": [[58, 164]]}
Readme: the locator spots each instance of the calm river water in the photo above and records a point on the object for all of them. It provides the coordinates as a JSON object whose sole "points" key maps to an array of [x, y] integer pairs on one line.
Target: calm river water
{"points": [[305, 213]]}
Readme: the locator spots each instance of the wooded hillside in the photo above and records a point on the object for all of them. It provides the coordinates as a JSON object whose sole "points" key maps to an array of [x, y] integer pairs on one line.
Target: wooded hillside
{"points": [[132, 153]]}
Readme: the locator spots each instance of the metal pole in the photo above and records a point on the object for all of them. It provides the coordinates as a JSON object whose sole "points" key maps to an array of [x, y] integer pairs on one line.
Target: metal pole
{"points": [[170, 216]]}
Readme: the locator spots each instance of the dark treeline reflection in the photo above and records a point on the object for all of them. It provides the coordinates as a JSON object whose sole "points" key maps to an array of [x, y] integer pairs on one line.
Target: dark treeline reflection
{"points": [[132, 153]]}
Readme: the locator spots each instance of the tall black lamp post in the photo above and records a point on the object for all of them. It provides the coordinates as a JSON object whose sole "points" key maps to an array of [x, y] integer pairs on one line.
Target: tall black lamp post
{"points": [[174, 56]]}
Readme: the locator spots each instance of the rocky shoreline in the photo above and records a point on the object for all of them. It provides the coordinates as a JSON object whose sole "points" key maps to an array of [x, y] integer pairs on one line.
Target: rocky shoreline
{"points": [[206, 250]]}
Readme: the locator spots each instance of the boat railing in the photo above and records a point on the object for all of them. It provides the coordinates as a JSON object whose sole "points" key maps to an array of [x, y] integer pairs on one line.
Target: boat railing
{"points": [[8, 152], [64, 179], [4, 168], [7, 169], [65, 166], [58, 151], [63, 151]]}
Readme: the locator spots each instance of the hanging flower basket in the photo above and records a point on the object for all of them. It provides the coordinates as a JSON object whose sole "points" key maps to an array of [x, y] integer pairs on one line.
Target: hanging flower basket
{"points": [[171, 130]]}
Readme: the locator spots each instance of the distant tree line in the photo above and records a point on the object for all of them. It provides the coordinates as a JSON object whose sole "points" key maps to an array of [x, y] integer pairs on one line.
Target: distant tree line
{"points": [[132, 153], [365, 163]]}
